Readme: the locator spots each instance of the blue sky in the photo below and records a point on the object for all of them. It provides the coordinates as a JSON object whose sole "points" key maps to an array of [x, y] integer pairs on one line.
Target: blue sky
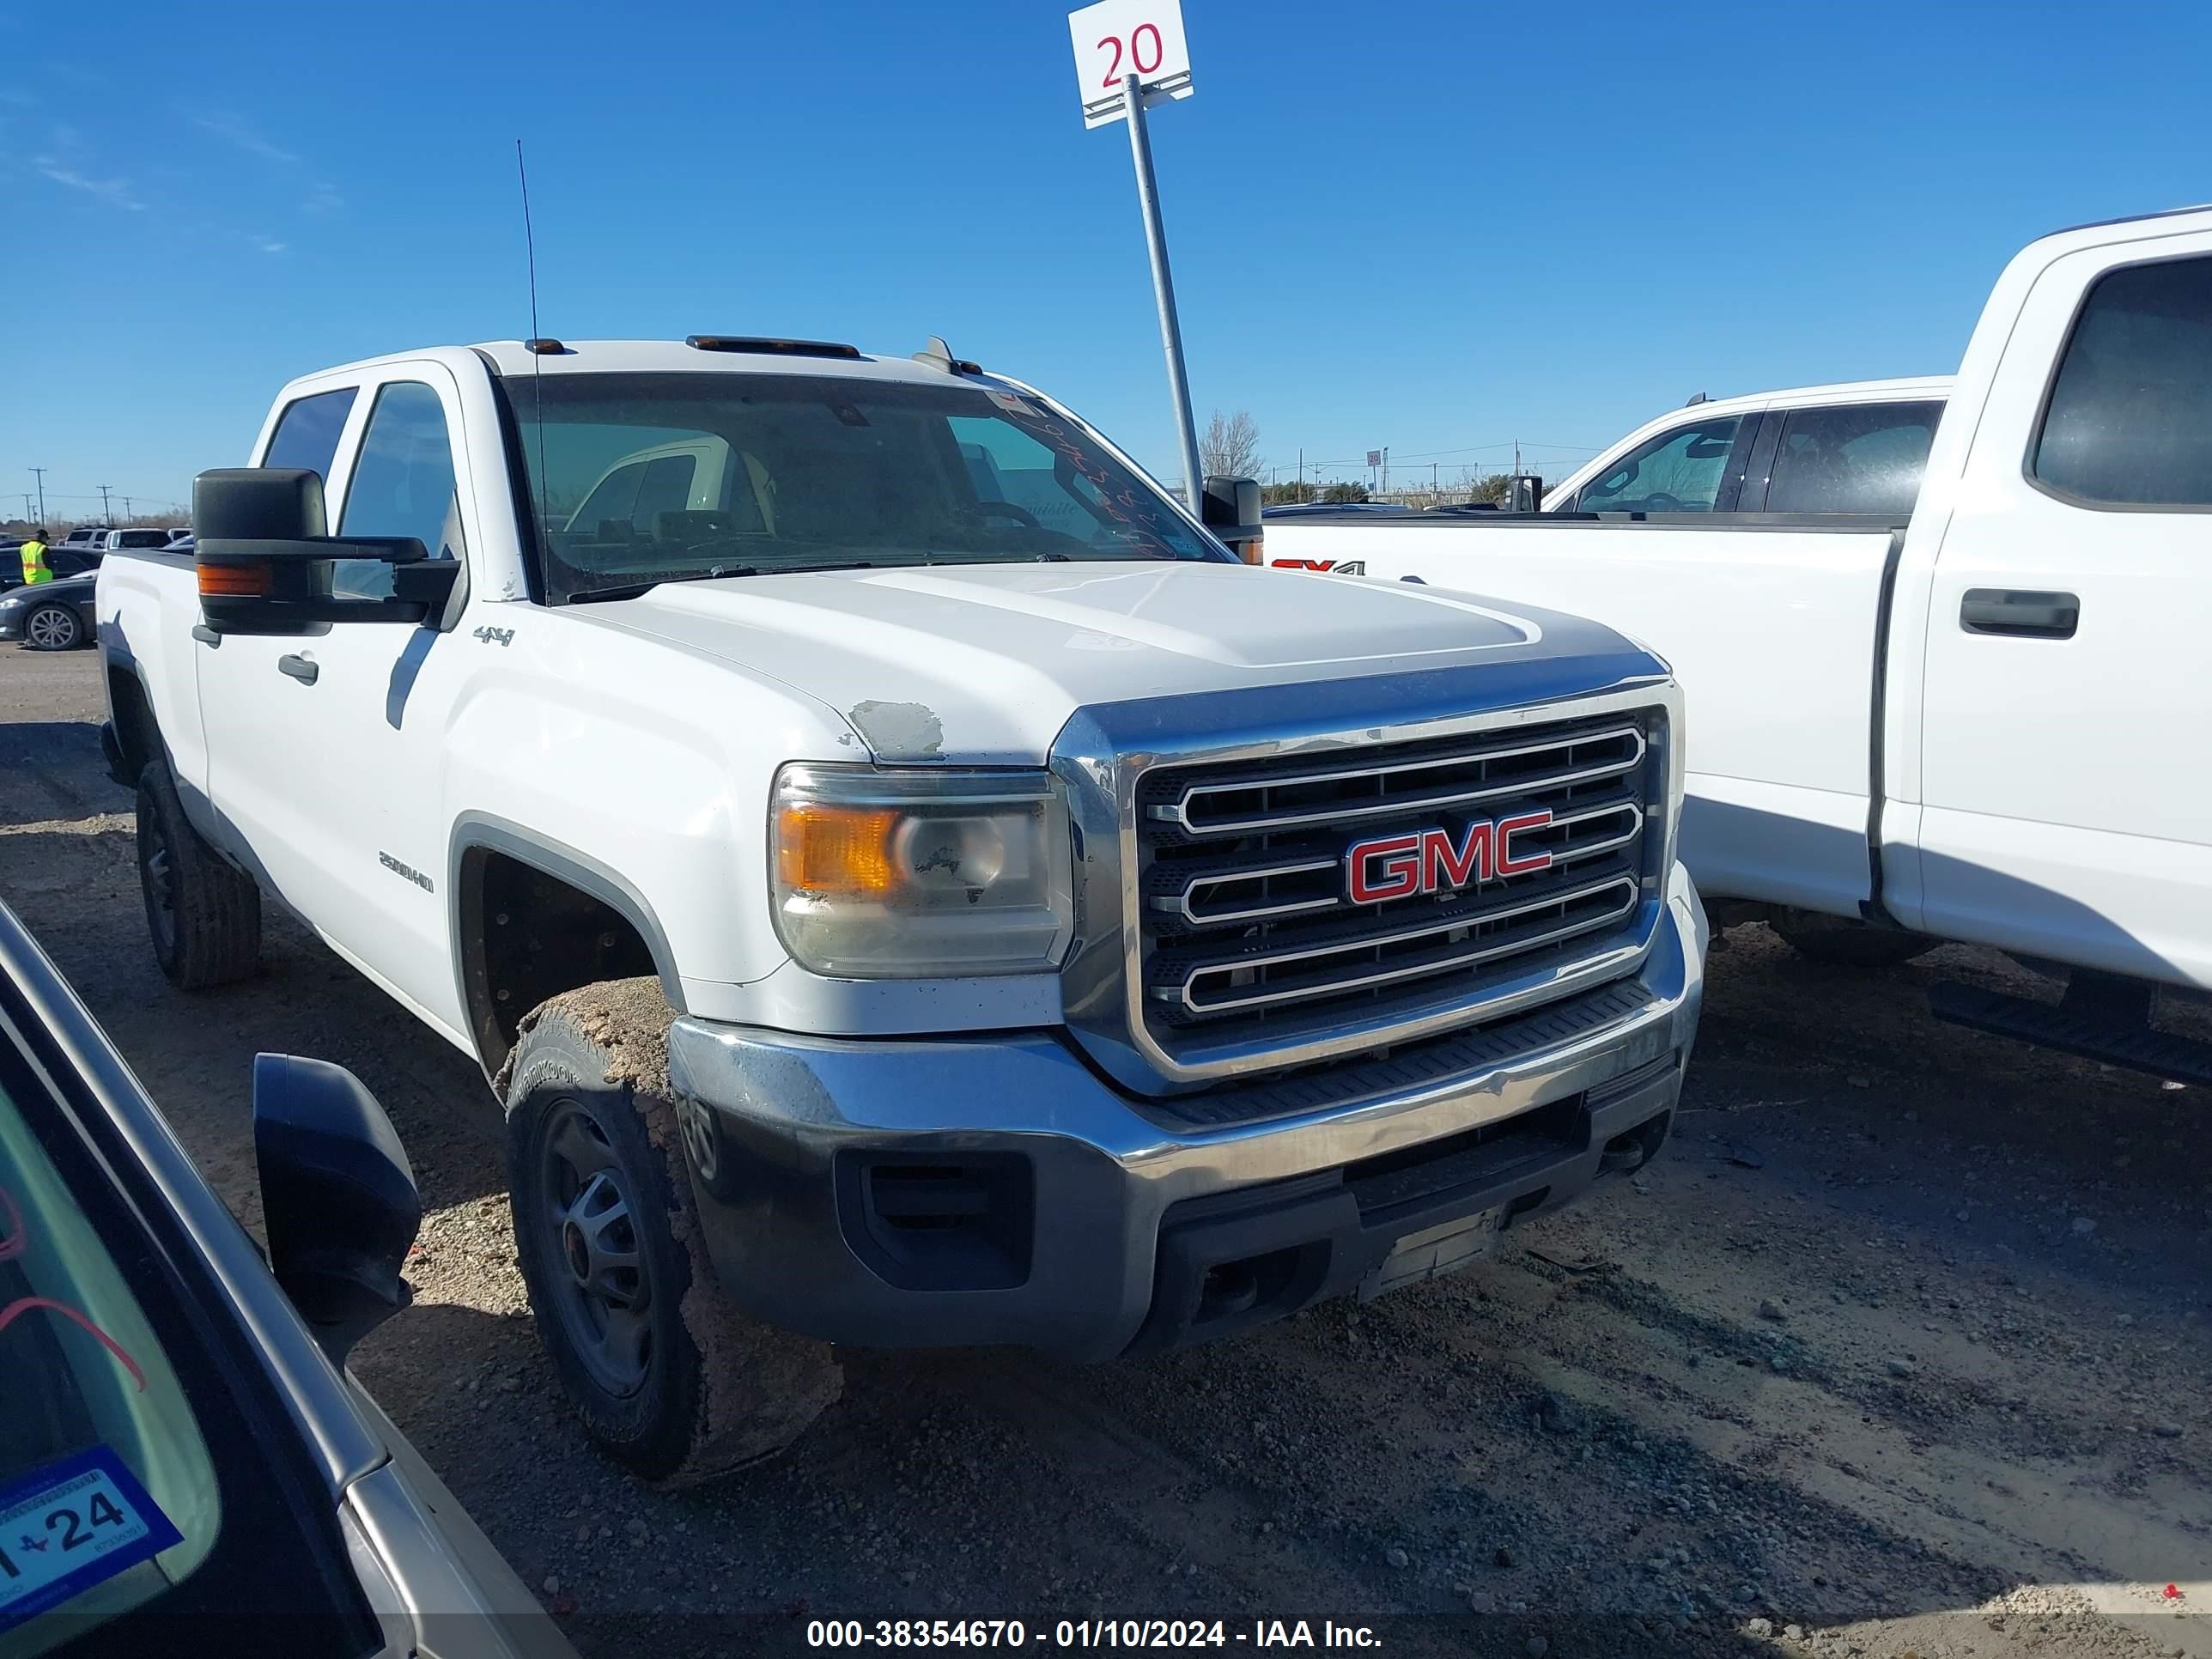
{"points": [[1438, 227]]}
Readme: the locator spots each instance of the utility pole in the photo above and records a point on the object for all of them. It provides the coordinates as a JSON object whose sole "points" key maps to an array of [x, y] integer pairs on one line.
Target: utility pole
{"points": [[1302, 464], [126, 507], [41, 473], [106, 517]]}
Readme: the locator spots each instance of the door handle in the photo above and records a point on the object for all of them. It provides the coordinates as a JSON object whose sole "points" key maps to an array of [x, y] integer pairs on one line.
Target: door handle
{"points": [[301, 669], [2036, 615]]}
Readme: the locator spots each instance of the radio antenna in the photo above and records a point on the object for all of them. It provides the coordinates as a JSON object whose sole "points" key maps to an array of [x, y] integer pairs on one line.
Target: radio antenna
{"points": [[537, 345]]}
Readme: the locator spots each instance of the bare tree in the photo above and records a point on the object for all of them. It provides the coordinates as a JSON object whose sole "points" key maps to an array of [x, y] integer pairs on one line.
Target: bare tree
{"points": [[1230, 446]]}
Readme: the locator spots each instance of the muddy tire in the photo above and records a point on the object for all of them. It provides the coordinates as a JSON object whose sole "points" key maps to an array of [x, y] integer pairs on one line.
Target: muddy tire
{"points": [[203, 914], [670, 1379], [1846, 944]]}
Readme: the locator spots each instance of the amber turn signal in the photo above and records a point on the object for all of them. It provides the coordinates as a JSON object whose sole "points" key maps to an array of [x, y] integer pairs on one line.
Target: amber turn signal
{"points": [[824, 848], [238, 581]]}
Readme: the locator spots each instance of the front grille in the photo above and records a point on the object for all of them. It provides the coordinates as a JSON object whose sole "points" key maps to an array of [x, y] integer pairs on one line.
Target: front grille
{"points": [[1250, 933]]}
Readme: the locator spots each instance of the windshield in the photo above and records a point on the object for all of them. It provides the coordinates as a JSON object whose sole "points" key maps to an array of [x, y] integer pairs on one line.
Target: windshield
{"points": [[645, 477]]}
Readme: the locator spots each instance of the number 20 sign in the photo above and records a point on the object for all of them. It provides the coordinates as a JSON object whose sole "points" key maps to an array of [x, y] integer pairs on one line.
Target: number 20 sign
{"points": [[1117, 39]]}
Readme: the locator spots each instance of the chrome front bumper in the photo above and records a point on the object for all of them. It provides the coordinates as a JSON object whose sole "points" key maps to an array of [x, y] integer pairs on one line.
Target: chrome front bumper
{"points": [[954, 1192]]}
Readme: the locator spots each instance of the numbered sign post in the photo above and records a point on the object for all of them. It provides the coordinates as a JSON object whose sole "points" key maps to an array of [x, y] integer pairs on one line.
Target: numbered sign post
{"points": [[1130, 54]]}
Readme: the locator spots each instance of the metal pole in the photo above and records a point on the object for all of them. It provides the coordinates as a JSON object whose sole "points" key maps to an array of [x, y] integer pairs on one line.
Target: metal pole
{"points": [[106, 516], [41, 473], [1156, 241]]}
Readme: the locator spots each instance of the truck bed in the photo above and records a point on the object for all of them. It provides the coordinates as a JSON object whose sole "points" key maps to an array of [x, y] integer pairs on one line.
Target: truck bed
{"points": [[1772, 622]]}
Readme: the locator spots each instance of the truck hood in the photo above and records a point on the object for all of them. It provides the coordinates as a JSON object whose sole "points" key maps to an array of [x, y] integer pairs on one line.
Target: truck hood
{"points": [[983, 664]]}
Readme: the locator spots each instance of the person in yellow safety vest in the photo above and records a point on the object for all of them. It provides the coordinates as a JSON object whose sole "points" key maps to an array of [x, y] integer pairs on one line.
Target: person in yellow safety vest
{"points": [[35, 569]]}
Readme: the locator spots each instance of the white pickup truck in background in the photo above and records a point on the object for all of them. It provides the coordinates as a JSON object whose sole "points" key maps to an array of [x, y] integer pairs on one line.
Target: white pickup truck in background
{"points": [[1979, 716], [895, 865]]}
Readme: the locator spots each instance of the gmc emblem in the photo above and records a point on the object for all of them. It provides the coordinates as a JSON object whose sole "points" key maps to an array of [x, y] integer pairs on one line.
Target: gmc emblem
{"points": [[1431, 861]]}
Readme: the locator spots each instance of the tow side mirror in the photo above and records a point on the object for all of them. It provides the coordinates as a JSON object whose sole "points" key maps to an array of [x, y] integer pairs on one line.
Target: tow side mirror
{"points": [[1524, 493], [337, 1197], [266, 567], [1231, 509]]}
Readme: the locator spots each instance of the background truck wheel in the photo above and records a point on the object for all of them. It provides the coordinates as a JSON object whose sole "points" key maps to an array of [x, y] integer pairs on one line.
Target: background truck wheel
{"points": [[671, 1381], [203, 914], [1849, 943], [53, 627]]}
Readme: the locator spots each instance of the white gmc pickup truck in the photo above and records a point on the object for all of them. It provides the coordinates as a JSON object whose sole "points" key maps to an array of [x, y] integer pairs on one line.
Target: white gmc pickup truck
{"points": [[896, 867], [1964, 716]]}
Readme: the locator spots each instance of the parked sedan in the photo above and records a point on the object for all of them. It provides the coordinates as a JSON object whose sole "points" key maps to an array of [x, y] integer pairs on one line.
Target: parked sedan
{"points": [[185, 1463], [55, 616]]}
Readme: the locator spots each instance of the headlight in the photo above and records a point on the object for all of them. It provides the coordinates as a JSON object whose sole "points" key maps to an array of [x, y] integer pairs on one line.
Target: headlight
{"points": [[889, 874]]}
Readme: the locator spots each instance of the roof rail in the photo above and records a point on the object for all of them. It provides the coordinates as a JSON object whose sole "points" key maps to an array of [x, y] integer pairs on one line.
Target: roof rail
{"points": [[772, 348], [937, 355]]}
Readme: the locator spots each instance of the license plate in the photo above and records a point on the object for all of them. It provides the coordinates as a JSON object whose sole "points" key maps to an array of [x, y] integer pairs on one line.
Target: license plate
{"points": [[1443, 1248]]}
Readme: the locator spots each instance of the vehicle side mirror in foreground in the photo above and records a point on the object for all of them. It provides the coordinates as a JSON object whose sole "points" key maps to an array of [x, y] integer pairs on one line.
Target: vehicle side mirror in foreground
{"points": [[337, 1197], [1232, 511], [266, 567]]}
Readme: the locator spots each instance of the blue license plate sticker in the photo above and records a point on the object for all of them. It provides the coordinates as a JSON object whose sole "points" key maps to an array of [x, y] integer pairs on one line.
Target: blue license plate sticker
{"points": [[65, 1527]]}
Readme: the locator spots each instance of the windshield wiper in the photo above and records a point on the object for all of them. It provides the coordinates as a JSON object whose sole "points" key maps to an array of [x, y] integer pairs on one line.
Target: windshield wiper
{"points": [[632, 590]]}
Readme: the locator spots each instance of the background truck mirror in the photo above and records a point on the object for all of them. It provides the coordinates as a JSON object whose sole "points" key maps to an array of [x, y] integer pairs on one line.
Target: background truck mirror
{"points": [[337, 1197], [1231, 509], [1524, 493]]}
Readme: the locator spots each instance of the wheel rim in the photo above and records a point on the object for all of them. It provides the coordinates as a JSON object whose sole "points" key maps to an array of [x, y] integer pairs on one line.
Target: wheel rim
{"points": [[157, 872], [602, 1292], [51, 628]]}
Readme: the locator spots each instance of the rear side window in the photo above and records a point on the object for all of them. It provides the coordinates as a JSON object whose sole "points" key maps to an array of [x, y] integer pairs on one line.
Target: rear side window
{"points": [[2130, 422], [402, 485], [1679, 471], [307, 432], [1853, 458]]}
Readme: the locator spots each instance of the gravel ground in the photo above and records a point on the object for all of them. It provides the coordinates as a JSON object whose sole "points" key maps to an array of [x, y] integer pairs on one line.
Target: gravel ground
{"points": [[1900, 1349]]}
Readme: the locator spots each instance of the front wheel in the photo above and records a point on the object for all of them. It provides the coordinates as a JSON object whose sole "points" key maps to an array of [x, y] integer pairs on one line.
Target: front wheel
{"points": [[671, 1380], [1846, 944], [53, 627]]}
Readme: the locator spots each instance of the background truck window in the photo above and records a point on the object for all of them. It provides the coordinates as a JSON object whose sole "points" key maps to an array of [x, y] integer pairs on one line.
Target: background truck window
{"points": [[2129, 422], [1678, 471], [1853, 458], [308, 431], [402, 485]]}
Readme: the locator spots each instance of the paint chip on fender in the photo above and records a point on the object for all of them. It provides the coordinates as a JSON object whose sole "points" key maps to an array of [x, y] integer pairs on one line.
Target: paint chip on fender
{"points": [[899, 730]]}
